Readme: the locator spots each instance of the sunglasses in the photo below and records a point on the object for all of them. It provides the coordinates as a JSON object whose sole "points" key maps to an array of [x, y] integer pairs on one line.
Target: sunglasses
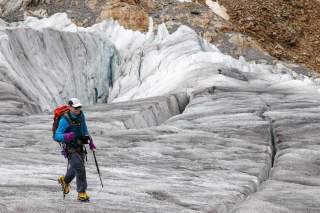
{"points": [[77, 108]]}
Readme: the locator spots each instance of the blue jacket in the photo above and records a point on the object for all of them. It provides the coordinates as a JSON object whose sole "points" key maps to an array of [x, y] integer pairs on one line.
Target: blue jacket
{"points": [[64, 127]]}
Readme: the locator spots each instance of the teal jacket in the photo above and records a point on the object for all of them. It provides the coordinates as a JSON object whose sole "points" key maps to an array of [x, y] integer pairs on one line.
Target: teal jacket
{"points": [[77, 125]]}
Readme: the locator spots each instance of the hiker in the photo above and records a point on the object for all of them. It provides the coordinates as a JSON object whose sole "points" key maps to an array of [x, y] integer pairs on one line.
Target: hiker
{"points": [[72, 134]]}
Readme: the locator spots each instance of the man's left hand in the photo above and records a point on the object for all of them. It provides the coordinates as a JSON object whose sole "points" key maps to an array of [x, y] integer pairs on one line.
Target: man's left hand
{"points": [[92, 146]]}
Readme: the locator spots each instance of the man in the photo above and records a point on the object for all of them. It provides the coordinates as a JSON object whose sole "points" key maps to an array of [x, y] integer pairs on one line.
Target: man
{"points": [[72, 133]]}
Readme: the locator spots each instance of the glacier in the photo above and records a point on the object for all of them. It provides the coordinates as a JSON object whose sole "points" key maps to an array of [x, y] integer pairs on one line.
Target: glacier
{"points": [[180, 127]]}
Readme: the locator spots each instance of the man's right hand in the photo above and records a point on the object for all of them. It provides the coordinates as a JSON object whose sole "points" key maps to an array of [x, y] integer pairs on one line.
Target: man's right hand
{"points": [[69, 136]]}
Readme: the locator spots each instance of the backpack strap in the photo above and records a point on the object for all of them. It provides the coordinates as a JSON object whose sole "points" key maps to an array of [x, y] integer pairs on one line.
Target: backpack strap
{"points": [[71, 120], [68, 117]]}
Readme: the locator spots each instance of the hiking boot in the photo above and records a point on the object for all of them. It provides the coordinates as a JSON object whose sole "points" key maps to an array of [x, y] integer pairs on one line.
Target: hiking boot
{"points": [[83, 196], [65, 186]]}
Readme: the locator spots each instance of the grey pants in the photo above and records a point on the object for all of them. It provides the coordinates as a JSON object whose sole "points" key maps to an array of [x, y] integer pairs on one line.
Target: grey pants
{"points": [[77, 169]]}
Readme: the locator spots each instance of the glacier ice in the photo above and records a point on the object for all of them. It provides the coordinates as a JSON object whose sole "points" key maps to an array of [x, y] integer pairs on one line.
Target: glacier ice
{"points": [[46, 66], [117, 64]]}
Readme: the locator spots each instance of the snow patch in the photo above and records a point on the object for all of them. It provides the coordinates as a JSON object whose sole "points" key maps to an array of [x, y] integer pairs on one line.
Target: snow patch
{"points": [[218, 9]]}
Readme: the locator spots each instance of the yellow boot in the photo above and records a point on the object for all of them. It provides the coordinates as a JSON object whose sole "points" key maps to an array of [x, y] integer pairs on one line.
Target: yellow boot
{"points": [[83, 196], [65, 186]]}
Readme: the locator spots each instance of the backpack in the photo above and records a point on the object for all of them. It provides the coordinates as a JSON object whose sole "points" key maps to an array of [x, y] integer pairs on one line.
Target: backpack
{"points": [[58, 113]]}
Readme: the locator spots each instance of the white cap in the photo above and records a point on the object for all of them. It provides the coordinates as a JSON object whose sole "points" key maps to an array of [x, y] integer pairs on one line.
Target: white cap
{"points": [[74, 102]]}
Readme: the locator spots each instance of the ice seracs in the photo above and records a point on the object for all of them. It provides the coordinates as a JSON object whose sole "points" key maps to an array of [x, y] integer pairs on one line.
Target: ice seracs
{"points": [[106, 62]]}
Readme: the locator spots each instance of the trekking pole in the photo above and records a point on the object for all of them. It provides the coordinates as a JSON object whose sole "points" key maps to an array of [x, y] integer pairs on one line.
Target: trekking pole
{"points": [[64, 195], [95, 159]]}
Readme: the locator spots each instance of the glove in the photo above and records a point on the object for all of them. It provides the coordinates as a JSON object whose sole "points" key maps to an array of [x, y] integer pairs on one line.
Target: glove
{"points": [[92, 146], [69, 136]]}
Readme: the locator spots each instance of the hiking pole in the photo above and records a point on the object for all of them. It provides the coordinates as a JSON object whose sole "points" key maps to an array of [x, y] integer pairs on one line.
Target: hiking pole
{"points": [[95, 159], [64, 195]]}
